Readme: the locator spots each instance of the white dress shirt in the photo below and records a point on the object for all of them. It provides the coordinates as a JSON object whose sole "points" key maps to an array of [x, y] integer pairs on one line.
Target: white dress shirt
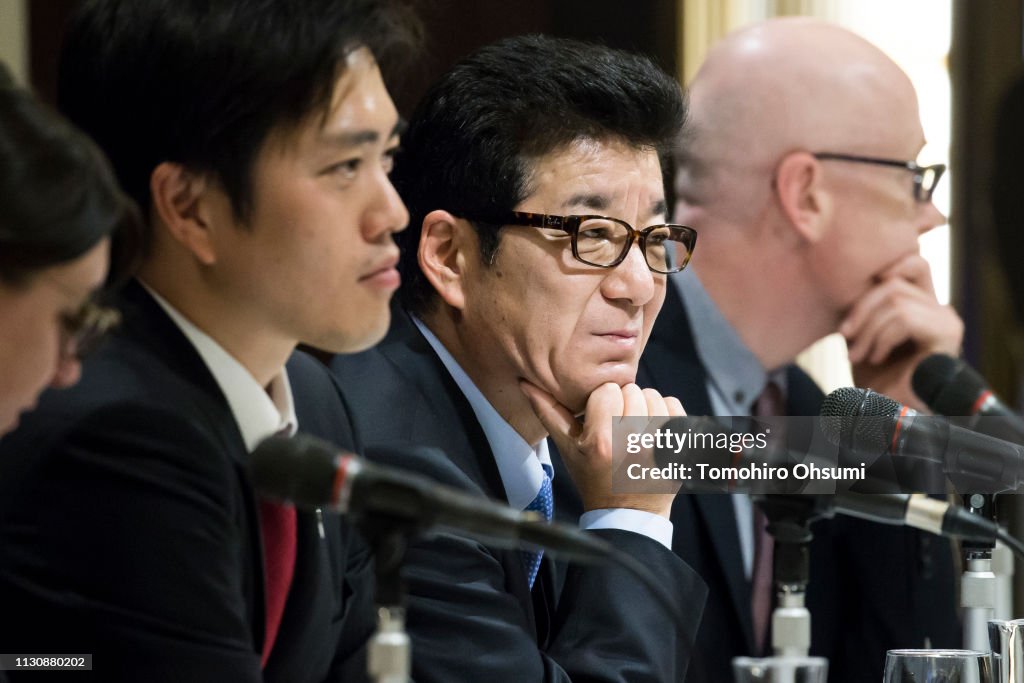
{"points": [[260, 412]]}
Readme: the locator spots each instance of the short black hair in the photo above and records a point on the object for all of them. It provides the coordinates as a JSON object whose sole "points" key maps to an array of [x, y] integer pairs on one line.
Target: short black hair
{"points": [[58, 196], [203, 83], [472, 140]]}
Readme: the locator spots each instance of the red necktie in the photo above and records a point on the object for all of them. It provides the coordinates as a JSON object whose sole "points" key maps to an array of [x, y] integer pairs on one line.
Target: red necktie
{"points": [[761, 579], [278, 526], [770, 403]]}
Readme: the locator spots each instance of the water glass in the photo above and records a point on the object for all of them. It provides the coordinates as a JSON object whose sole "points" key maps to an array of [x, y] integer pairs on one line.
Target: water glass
{"points": [[938, 666], [780, 669]]}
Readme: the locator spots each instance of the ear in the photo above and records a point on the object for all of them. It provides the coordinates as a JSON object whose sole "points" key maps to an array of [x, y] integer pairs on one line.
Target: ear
{"points": [[805, 201], [180, 200], [443, 252]]}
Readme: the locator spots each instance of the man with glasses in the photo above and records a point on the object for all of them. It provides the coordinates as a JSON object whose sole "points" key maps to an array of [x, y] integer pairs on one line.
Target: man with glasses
{"points": [[129, 527], [534, 266], [799, 175]]}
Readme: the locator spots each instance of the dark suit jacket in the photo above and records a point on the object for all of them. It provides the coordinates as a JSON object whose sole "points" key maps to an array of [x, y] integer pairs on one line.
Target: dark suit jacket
{"points": [[472, 616], [129, 527], [873, 587]]}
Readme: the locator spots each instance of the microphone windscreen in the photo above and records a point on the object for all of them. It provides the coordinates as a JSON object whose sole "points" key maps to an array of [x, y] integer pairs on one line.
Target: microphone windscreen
{"points": [[947, 385], [859, 419], [299, 469]]}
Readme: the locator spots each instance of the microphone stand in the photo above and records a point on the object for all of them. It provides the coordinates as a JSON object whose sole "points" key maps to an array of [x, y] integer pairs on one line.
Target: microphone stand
{"points": [[789, 519], [978, 583], [389, 651]]}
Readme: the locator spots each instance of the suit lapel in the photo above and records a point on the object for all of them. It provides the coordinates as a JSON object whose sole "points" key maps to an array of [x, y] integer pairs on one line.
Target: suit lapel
{"points": [[146, 321], [441, 409], [671, 365], [444, 413], [719, 518]]}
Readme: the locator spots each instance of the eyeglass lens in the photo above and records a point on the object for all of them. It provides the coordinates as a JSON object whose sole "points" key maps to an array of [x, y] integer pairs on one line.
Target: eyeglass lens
{"points": [[84, 330], [602, 242]]}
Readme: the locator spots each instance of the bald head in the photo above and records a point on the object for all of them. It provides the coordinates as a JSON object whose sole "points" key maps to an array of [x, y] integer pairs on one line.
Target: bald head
{"points": [[785, 85]]}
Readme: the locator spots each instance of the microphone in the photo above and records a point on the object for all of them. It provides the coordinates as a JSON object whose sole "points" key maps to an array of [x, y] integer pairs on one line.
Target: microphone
{"points": [[949, 386], [900, 509], [870, 423], [917, 511], [312, 473]]}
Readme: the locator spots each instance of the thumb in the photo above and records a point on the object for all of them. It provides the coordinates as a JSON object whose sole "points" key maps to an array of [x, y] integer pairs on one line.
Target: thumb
{"points": [[555, 417]]}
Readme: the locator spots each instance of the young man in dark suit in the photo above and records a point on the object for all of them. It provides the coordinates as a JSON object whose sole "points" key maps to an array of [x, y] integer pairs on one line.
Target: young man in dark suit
{"points": [[798, 243], [528, 299], [258, 139]]}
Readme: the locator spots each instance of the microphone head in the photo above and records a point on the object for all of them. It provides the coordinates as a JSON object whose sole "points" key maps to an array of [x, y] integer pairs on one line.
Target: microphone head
{"points": [[859, 419], [299, 469], [948, 385]]}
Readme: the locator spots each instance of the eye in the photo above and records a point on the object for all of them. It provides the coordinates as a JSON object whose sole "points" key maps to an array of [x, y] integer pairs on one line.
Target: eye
{"points": [[345, 170], [388, 160], [597, 233]]}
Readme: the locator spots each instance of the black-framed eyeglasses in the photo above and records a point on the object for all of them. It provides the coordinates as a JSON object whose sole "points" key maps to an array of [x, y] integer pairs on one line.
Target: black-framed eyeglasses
{"points": [[83, 331], [605, 242], [925, 177]]}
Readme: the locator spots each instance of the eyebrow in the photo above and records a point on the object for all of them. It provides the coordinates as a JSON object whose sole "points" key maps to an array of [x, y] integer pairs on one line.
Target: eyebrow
{"points": [[360, 137], [598, 202]]}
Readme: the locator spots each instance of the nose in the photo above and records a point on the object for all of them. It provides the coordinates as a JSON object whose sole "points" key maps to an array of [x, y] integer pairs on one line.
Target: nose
{"points": [[631, 280], [931, 218], [387, 213]]}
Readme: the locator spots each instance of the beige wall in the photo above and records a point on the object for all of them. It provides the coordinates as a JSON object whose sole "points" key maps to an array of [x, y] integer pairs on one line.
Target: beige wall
{"points": [[14, 37]]}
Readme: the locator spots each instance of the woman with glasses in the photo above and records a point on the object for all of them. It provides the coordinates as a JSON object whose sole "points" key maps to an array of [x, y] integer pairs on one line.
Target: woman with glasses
{"points": [[59, 209]]}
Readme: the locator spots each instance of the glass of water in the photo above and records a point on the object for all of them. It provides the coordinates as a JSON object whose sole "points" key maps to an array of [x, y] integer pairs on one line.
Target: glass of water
{"points": [[938, 666], [780, 669]]}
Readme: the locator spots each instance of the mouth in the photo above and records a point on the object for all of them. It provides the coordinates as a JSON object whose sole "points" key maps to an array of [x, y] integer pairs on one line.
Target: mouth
{"points": [[625, 337], [383, 274]]}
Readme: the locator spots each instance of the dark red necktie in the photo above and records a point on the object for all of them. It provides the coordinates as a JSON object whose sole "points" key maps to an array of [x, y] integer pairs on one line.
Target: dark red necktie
{"points": [[278, 526], [770, 403]]}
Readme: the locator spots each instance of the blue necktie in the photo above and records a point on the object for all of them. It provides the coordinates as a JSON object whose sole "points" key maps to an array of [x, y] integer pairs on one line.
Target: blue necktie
{"points": [[544, 503]]}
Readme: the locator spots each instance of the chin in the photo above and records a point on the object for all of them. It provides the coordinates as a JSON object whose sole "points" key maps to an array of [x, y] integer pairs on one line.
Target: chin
{"points": [[621, 373], [8, 423], [574, 394], [354, 341]]}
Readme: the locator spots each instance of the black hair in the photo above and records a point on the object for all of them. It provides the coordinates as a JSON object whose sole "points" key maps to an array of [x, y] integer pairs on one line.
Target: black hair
{"points": [[204, 83], [58, 195], [472, 140]]}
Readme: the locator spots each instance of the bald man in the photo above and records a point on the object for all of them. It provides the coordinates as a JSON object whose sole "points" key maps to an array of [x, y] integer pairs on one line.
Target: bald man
{"points": [[799, 176]]}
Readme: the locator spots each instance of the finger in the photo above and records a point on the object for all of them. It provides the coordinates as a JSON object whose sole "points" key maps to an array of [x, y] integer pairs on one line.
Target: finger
{"points": [[864, 344], [675, 407], [656, 406], [889, 337], [556, 418], [634, 402], [605, 403], [882, 295], [915, 269]]}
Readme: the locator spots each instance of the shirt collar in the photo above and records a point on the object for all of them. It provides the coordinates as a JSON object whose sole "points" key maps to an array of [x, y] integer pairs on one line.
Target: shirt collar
{"points": [[519, 463], [259, 412], [732, 368]]}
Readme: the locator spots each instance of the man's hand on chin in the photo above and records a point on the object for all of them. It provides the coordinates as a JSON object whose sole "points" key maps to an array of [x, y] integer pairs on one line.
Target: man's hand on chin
{"points": [[895, 325], [586, 445]]}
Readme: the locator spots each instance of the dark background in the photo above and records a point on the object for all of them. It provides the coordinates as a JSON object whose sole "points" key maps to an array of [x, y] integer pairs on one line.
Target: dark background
{"points": [[454, 28]]}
